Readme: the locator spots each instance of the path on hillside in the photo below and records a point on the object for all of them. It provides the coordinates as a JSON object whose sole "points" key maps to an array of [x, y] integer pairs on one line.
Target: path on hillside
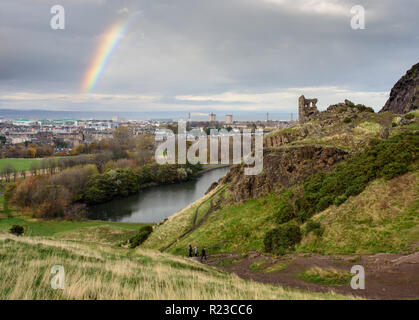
{"points": [[387, 276], [196, 225]]}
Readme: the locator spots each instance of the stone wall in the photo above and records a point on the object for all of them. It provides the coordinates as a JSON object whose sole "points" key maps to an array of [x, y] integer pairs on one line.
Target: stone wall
{"points": [[306, 109]]}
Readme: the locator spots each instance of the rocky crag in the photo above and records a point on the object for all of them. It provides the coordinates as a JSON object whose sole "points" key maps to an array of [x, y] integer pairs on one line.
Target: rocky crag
{"points": [[282, 168], [288, 161], [404, 97]]}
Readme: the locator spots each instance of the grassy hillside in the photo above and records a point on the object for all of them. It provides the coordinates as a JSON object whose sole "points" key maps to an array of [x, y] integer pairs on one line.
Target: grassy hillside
{"points": [[387, 222], [179, 223], [383, 218], [234, 228], [105, 272], [349, 136]]}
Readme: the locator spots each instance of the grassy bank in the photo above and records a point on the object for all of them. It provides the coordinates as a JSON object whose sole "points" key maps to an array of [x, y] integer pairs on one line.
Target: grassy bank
{"points": [[84, 230], [235, 228], [383, 218], [106, 272]]}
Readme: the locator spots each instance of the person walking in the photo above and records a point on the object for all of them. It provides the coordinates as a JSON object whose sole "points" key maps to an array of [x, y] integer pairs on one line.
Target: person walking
{"points": [[204, 254], [196, 251], [190, 251]]}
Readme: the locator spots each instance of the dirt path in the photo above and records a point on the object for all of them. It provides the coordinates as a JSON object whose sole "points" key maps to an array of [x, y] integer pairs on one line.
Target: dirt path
{"points": [[387, 276]]}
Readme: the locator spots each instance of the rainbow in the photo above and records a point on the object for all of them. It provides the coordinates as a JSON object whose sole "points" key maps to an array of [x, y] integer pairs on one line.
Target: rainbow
{"points": [[107, 47]]}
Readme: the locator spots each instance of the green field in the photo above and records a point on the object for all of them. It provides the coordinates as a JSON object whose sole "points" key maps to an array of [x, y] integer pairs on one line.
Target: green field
{"points": [[89, 230], [95, 231], [19, 164]]}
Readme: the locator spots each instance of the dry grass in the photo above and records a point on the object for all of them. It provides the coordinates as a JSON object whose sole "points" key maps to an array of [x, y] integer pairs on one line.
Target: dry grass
{"points": [[368, 128], [329, 276], [93, 272], [99, 234], [383, 218]]}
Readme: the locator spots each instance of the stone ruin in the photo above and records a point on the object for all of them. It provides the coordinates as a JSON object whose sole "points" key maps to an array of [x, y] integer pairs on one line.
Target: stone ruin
{"points": [[306, 109]]}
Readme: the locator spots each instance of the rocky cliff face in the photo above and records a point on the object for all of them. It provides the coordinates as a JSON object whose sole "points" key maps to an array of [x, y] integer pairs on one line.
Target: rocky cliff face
{"points": [[281, 168], [404, 96]]}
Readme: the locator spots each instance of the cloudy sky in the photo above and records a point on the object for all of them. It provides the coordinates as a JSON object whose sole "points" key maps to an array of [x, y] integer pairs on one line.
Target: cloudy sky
{"points": [[204, 55]]}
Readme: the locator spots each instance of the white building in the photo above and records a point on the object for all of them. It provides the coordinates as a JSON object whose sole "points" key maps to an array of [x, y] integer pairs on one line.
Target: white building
{"points": [[229, 118], [212, 117]]}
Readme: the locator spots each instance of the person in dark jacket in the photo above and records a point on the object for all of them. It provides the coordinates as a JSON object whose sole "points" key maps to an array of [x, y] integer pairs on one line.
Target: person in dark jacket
{"points": [[204, 254], [190, 251]]}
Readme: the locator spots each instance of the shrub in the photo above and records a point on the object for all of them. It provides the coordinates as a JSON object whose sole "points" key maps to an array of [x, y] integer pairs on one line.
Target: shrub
{"points": [[75, 212], [8, 194], [141, 236], [285, 211], [347, 120], [364, 108], [394, 169], [315, 227], [353, 190], [409, 116], [393, 124], [324, 203], [282, 238], [17, 230], [339, 200]]}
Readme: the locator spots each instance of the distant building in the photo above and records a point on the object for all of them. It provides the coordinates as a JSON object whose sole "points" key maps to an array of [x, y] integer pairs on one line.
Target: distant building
{"points": [[212, 117], [229, 119], [115, 118]]}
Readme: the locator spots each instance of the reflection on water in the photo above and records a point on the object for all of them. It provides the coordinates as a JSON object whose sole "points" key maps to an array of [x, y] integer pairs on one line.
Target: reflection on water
{"points": [[156, 203]]}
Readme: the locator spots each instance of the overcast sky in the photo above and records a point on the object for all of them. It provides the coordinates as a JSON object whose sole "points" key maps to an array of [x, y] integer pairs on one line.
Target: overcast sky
{"points": [[200, 56]]}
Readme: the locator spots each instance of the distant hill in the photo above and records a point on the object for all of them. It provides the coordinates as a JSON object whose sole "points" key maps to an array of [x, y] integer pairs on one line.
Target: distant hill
{"points": [[404, 96]]}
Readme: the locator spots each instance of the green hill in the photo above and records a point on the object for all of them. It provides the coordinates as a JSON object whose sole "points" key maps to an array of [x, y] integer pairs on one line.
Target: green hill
{"points": [[362, 202]]}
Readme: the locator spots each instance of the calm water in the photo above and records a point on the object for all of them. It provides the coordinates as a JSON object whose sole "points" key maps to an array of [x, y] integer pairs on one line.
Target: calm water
{"points": [[156, 203]]}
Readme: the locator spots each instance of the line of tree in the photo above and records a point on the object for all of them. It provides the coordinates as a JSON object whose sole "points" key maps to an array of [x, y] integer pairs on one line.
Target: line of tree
{"points": [[66, 194], [24, 150]]}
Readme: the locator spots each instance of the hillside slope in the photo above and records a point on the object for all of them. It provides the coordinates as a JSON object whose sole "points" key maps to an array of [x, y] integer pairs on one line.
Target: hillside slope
{"points": [[383, 218], [106, 272], [351, 157]]}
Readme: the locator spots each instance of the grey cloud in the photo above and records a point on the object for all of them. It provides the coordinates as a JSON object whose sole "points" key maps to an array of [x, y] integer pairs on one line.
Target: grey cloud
{"points": [[197, 47]]}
